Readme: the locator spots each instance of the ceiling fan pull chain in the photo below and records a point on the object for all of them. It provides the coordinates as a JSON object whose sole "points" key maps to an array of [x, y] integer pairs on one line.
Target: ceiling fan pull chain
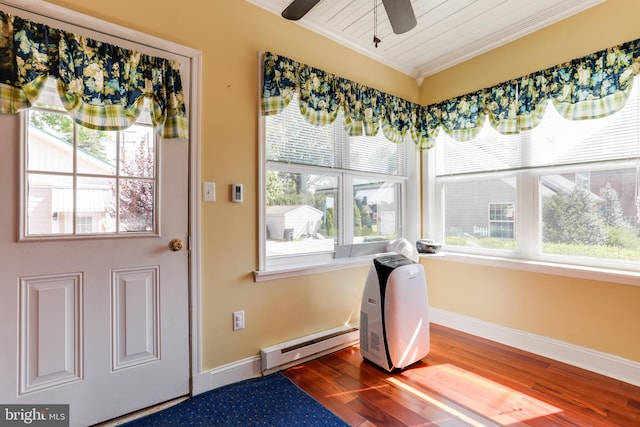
{"points": [[376, 40]]}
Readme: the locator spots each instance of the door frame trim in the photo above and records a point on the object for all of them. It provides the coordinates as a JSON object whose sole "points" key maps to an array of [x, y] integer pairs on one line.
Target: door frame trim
{"points": [[50, 11]]}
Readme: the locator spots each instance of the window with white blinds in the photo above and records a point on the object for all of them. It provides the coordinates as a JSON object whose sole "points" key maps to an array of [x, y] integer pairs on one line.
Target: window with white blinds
{"points": [[570, 190], [291, 139], [327, 194], [556, 141]]}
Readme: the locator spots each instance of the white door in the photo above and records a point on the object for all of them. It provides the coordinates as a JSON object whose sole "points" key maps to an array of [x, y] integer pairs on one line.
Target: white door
{"points": [[102, 323]]}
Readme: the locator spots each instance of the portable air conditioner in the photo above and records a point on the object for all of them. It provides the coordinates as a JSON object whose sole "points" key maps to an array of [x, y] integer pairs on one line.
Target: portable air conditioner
{"points": [[394, 321]]}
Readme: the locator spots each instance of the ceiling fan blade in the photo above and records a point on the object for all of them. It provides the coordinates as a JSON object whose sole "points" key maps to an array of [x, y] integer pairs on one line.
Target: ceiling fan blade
{"points": [[298, 8], [401, 15]]}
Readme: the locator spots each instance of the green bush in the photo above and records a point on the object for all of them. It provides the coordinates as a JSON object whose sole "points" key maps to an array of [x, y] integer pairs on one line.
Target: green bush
{"points": [[622, 238], [630, 251], [482, 242], [595, 251]]}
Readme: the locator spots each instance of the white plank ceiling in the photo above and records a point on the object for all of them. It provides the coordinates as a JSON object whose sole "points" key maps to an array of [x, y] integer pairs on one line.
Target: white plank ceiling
{"points": [[448, 31]]}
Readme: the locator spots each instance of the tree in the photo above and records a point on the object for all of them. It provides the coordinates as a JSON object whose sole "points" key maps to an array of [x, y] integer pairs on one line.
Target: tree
{"points": [[610, 208], [282, 189], [61, 125], [136, 193], [573, 218], [275, 188], [330, 222], [137, 196]]}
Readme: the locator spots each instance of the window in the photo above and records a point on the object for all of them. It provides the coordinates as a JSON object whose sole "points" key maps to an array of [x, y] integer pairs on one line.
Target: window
{"points": [[566, 191], [328, 195], [85, 224], [80, 181], [501, 220]]}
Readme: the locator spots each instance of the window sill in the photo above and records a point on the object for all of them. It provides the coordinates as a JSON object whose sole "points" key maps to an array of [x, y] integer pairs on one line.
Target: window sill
{"points": [[301, 270], [581, 272]]}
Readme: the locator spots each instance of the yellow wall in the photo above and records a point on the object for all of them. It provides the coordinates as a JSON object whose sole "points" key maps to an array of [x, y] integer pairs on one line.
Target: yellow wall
{"points": [[598, 315], [230, 34]]}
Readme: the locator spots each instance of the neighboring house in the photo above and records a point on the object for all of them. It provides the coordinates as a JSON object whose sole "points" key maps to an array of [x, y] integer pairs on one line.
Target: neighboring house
{"points": [[292, 222], [470, 209], [51, 198], [488, 210]]}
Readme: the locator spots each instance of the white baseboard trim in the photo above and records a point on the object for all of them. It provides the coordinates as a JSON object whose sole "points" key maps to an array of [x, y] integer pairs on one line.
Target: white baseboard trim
{"points": [[241, 370], [582, 357]]}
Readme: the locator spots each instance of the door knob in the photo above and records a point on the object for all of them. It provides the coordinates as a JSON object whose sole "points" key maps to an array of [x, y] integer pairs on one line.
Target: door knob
{"points": [[176, 245]]}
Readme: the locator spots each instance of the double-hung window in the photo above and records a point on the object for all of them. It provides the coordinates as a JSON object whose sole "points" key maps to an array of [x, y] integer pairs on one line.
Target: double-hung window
{"points": [[328, 195], [565, 191]]}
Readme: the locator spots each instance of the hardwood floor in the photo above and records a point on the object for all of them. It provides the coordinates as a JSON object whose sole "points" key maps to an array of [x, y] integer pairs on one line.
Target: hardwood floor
{"points": [[466, 380]]}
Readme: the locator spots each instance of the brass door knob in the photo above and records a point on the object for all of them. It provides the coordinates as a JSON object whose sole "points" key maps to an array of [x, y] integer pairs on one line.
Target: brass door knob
{"points": [[176, 245]]}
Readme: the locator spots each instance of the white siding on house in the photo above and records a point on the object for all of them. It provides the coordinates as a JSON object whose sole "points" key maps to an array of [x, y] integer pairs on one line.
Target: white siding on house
{"points": [[50, 196], [40, 214], [301, 219]]}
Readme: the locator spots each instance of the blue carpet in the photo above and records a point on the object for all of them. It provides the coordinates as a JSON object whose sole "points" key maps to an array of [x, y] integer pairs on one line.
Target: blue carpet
{"points": [[272, 401]]}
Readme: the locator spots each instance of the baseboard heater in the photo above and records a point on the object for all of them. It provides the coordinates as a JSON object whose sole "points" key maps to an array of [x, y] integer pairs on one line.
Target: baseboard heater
{"points": [[297, 351]]}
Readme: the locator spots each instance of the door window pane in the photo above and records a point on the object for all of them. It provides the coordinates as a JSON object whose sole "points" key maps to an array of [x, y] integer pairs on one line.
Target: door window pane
{"points": [[50, 142], [82, 181], [96, 199], [137, 201], [137, 152], [49, 204], [96, 151]]}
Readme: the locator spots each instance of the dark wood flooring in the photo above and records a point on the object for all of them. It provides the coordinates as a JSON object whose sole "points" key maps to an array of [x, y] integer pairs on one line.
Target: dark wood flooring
{"points": [[466, 380]]}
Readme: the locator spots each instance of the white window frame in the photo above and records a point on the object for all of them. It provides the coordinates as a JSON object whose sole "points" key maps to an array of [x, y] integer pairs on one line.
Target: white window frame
{"points": [[314, 263], [76, 234], [528, 254]]}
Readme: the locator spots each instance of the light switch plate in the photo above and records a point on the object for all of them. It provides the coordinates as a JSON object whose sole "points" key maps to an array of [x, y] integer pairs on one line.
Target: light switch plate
{"points": [[209, 191]]}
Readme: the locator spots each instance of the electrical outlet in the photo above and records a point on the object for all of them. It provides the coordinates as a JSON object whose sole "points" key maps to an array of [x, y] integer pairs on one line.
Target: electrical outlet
{"points": [[238, 320]]}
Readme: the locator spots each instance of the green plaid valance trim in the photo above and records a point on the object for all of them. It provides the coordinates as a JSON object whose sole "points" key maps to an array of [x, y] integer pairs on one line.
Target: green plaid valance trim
{"points": [[102, 86], [12, 99], [594, 86], [274, 104], [593, 108], [322, 95]]}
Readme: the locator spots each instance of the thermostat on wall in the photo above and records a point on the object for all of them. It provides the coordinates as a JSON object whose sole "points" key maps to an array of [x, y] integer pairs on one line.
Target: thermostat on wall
{"points": [[236, 193]]}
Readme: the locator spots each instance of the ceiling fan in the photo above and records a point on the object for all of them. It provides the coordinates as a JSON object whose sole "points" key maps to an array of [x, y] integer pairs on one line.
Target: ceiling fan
{"points": [[400, 13]]}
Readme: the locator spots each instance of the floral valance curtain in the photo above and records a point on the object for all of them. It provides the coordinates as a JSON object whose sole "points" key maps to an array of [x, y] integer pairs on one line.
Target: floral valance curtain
{"points": [[586, 88], [590, 87], [102, 86], [322, 95]]}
